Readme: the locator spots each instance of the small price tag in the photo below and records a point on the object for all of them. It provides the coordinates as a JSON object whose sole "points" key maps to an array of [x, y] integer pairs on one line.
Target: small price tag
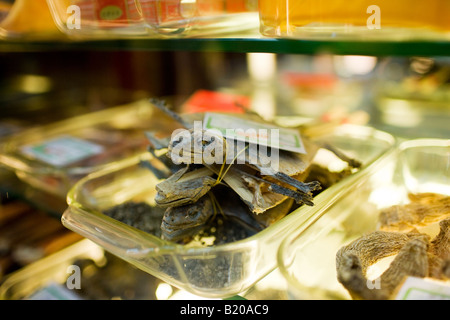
{"points": [[62, 151], [423, 289], [255, 132]]}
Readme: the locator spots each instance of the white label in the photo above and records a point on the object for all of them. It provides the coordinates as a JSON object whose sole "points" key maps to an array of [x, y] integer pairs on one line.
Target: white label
{"points": [[254, 132], [62, 151], [423, 289]]}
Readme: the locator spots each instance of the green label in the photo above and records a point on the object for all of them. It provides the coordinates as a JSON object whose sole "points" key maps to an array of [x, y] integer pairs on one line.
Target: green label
{"points": [[255, 132], [111, 13]]}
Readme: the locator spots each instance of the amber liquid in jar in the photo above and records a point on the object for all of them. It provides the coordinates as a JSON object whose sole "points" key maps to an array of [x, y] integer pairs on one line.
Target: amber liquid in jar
{"points": [[286, 17], [29, 16]]}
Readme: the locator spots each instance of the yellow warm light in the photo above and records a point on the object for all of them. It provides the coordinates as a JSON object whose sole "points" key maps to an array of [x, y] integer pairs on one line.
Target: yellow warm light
{"points": [[34, 84], [163, 291]]}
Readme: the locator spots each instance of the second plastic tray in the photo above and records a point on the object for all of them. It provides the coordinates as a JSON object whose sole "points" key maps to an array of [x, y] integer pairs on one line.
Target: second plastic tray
{"points": [[307, 258], [53, 157]]}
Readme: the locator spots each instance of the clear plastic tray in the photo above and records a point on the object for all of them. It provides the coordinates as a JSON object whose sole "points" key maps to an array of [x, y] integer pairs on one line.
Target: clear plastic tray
{"points": [[153, 18], [307, 257], [80, 271], [26, 281], [111, 134], [215, 271]]}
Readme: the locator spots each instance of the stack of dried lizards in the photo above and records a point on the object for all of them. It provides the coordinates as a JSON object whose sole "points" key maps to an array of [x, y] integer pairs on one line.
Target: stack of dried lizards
{"points": [[244, 189]]}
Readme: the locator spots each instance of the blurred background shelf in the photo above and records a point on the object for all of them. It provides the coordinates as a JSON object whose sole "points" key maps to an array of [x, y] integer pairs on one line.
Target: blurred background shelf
{"points": [[239, 44]]}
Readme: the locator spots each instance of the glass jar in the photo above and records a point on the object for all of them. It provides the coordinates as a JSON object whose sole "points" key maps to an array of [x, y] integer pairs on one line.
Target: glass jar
{"points": [[338, 18]]}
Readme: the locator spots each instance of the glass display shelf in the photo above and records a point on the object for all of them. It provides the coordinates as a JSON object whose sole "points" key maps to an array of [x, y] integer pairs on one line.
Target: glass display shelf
{"points": [[239, 44]]}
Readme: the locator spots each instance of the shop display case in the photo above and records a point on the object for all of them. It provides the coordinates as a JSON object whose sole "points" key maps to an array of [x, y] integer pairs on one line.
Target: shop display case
{"points": [[308, 258], [218, 271], [62, 76]]}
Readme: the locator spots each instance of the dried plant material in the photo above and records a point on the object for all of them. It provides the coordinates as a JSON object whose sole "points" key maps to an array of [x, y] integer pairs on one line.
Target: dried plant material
{"points": [[424, 210], [440, 246], [352, 262], [438, 268], [373, 247], [351, 276], [411, 261], [439, 253], [446, 269], [415, 256], [426, 197]]}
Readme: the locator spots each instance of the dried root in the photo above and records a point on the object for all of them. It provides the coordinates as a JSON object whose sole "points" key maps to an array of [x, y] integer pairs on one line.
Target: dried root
{"points": [[352, 262], [373, 247], [415, 255], [411, 260], [424, 209], [439, 253]]}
